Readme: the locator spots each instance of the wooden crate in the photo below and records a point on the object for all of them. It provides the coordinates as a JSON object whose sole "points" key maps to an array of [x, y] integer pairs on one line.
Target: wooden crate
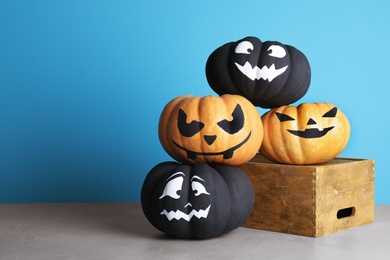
{"points": [[311, 200]]}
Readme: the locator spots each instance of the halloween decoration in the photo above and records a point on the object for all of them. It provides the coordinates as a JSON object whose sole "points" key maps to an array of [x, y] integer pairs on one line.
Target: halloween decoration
{"points": [[210, 129], [307, 134], [199, 201], [269, 74]]}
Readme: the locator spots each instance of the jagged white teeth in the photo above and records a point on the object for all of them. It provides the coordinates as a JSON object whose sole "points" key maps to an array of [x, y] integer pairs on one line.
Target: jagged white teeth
{"points": [[260, 73], [178, 214]]}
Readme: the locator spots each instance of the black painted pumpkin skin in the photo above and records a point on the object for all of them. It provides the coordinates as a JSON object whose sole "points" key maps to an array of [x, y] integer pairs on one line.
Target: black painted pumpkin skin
{"points": [[269, 74], [196, 201]]}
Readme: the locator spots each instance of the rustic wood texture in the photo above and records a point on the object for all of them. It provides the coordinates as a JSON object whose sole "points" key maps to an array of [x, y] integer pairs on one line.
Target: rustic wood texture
{"points": [[305, 200]]}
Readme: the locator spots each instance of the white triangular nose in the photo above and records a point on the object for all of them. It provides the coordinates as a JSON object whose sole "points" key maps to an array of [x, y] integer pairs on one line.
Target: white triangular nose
{"points": [[188, 204]]}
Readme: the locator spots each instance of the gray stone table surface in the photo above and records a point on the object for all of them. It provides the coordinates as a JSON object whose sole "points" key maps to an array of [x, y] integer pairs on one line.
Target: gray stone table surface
{"points": [[120, 231]]}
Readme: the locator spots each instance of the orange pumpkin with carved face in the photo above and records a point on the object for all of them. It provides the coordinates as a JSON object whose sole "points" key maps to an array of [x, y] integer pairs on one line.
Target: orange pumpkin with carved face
{"points": [[222, 130], [306, 134]]}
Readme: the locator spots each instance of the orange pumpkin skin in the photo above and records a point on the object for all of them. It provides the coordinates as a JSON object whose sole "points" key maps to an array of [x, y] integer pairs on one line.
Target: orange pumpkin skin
{"points": [[306, 134], [221, 130]]}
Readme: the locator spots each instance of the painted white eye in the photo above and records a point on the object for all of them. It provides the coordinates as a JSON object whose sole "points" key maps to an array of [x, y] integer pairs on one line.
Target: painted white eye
{"points": [[244, 47], [173, 187], [198, 188], [276, 51]]}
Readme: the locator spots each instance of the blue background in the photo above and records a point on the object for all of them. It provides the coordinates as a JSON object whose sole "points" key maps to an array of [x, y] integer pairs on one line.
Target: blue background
{"points": [[83, 83]]}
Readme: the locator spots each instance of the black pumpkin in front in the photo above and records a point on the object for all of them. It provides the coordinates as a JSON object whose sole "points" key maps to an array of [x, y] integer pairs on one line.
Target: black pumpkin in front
{"points": [[199, 201], [269, 74]]}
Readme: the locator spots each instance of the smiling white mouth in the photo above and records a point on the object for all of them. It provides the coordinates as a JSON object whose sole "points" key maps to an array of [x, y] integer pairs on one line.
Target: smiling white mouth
{"points": [[264, 73], [202, 213]]}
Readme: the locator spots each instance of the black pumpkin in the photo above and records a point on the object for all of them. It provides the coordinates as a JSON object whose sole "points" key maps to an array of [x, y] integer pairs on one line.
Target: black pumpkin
{"points": [[196, 201], [269, 74]]}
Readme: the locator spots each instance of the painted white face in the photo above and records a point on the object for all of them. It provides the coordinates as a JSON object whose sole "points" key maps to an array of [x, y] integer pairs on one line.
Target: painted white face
{"points": [[173, 189], [254, 72]]}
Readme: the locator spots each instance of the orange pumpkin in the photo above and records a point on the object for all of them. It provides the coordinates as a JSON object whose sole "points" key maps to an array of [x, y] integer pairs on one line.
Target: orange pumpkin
{"points": [[223, 130], [306, 134]]}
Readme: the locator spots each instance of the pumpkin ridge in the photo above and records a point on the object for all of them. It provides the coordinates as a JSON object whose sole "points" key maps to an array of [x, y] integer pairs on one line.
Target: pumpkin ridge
{"points": [[163, 126], [255, 123], [184, 103], [267, 98], [290, 158], [269, 147], [265, 134], [221, 84], [250, 89], [296, 93], [291, 94], [300, 140]]}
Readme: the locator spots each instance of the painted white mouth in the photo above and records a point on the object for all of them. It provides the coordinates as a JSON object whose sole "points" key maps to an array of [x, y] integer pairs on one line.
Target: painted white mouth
{"points": [[202, 213], [263, 73]]}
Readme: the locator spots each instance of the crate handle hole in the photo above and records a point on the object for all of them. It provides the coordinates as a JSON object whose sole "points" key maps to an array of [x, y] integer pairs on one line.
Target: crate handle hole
{"points": [[345, 213]]}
